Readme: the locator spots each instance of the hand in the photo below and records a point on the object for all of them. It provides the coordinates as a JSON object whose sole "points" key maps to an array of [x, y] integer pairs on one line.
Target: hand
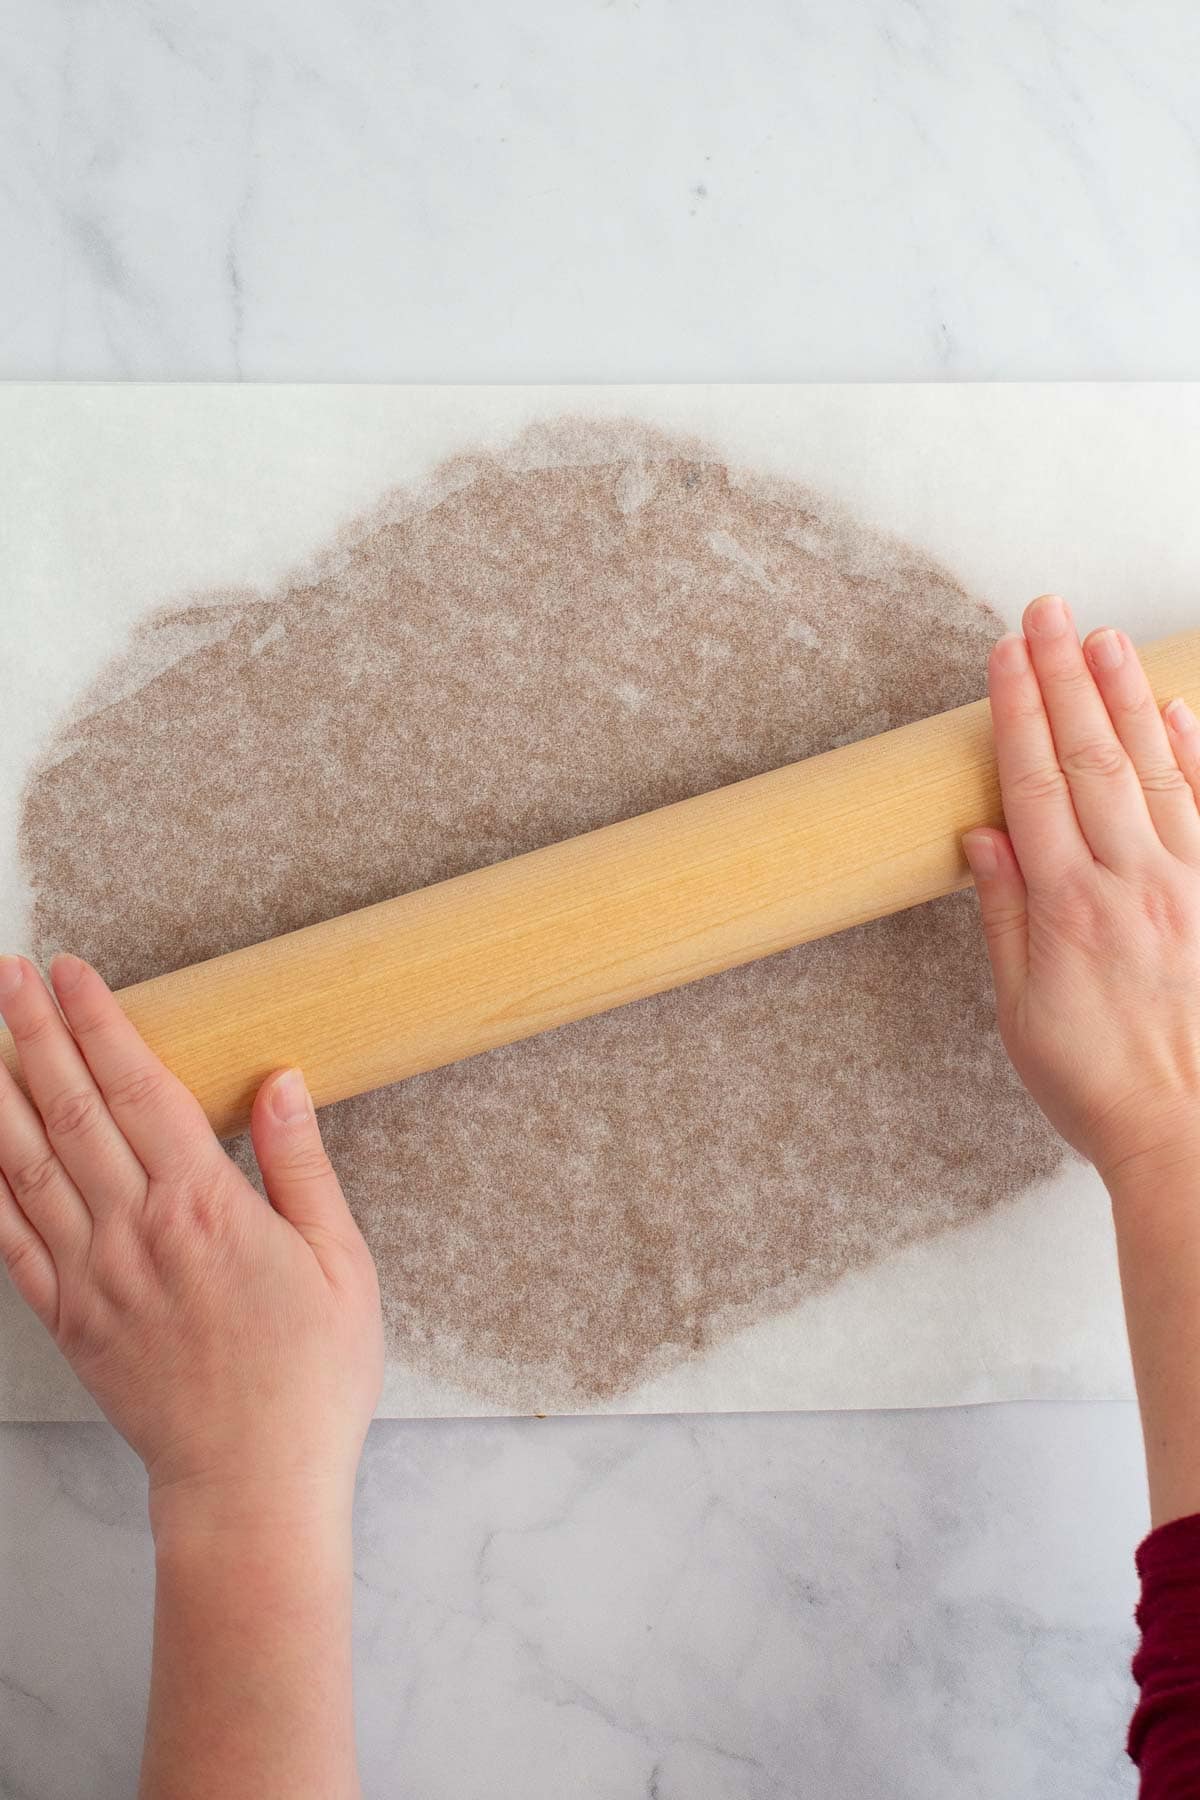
{"points": [[1091, 900], [236, 1344]]}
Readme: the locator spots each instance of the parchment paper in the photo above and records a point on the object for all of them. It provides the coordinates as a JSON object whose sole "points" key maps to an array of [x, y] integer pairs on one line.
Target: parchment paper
{"points": [[847, 525]]}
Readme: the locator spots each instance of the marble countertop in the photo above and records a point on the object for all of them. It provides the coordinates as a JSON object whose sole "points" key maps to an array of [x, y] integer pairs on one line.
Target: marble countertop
{"points": [[740, 1608], [845, 1605]]}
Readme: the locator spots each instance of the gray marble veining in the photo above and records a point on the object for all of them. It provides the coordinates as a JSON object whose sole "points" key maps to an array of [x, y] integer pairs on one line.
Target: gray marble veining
{"points": [[608, 190], [720, 1609], [911, 1604]]}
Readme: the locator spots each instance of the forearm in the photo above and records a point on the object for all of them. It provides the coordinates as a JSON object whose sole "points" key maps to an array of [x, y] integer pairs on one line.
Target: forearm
{"points": [[1156, 1212], [250, 1693]]}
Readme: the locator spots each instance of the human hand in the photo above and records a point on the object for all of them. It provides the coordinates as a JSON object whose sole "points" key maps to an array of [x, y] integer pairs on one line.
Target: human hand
{"points": [[1091, 899], [237, 1345]]}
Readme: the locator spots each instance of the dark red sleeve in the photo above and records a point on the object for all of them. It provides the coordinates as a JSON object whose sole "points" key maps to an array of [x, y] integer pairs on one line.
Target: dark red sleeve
{"points": [[1164, 1737]]}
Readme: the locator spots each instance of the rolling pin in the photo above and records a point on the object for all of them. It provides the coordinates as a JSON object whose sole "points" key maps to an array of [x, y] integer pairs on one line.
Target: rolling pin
{"points": [[628, 910]]}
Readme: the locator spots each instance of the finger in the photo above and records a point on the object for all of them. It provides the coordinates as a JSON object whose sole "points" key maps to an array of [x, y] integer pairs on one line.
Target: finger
{"points": [[1105, 790], [1038, 811], [30, 1265], [1127, 694], [37, 1180], [161, 1121], [297, 1174], [1002, 905], [79, 1126], [1183, 729]]}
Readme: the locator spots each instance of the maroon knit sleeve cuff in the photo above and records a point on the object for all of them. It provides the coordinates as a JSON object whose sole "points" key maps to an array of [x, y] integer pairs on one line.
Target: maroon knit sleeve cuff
{"points": [[1164, 1736]]}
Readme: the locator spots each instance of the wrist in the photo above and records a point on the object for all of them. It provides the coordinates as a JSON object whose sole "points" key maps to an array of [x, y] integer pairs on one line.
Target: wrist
{"points": [[241, 1570], [1169, 1165], [251, 1515]]}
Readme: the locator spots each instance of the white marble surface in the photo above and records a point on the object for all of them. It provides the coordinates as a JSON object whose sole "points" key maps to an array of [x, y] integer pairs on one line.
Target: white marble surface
{"points": [[924, 1605], [844, 1606], [561, 190]]}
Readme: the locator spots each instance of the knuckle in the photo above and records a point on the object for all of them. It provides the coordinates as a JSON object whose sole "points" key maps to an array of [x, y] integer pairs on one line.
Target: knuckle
{"points": [[166, 1237], [1076, 891], [32, 1177], [182, 1216], [159, 1237], [72, 1114], [1101, 757], [1001, 924], [1168, 912], [87, 1322], [140, 1090], [119, 1267], [309, 1163], [72, 1335], [1167, 779], [1073, 677], [34, 1031], [21, 1253], [90, 1025], [1025, 702], [207, 1212], [1045, 782], [1083, 915], [1136, 707]]}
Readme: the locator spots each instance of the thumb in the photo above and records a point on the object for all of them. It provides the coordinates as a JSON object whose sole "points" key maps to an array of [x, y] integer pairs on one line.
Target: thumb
{"points": [[296, 1172], [1001, 889]]}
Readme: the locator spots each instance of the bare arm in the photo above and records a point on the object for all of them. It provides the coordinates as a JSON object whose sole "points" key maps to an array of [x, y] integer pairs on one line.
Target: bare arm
{"points": [[1155, 1209], [1091, 906], [250, 1692], [236, 1345]]}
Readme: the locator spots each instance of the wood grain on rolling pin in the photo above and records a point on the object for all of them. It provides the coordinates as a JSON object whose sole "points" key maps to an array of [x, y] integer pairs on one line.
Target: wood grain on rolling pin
{"points": [[595, 922]]}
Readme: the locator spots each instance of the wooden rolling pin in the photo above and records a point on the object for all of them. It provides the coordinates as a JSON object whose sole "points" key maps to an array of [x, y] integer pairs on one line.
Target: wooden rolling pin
{"points": [[582, 926]]}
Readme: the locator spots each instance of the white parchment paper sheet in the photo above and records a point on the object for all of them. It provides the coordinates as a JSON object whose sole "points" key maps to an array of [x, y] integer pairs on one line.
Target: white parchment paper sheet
{"points": [[118, 498]]}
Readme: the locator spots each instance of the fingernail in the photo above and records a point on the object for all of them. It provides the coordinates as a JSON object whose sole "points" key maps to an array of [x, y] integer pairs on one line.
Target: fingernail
{"points": [[1010, 652], [980, 852], [1105, 650], [1179, 716], [1048, 616], [66, 972], [289, 1098], [11, 976]]}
